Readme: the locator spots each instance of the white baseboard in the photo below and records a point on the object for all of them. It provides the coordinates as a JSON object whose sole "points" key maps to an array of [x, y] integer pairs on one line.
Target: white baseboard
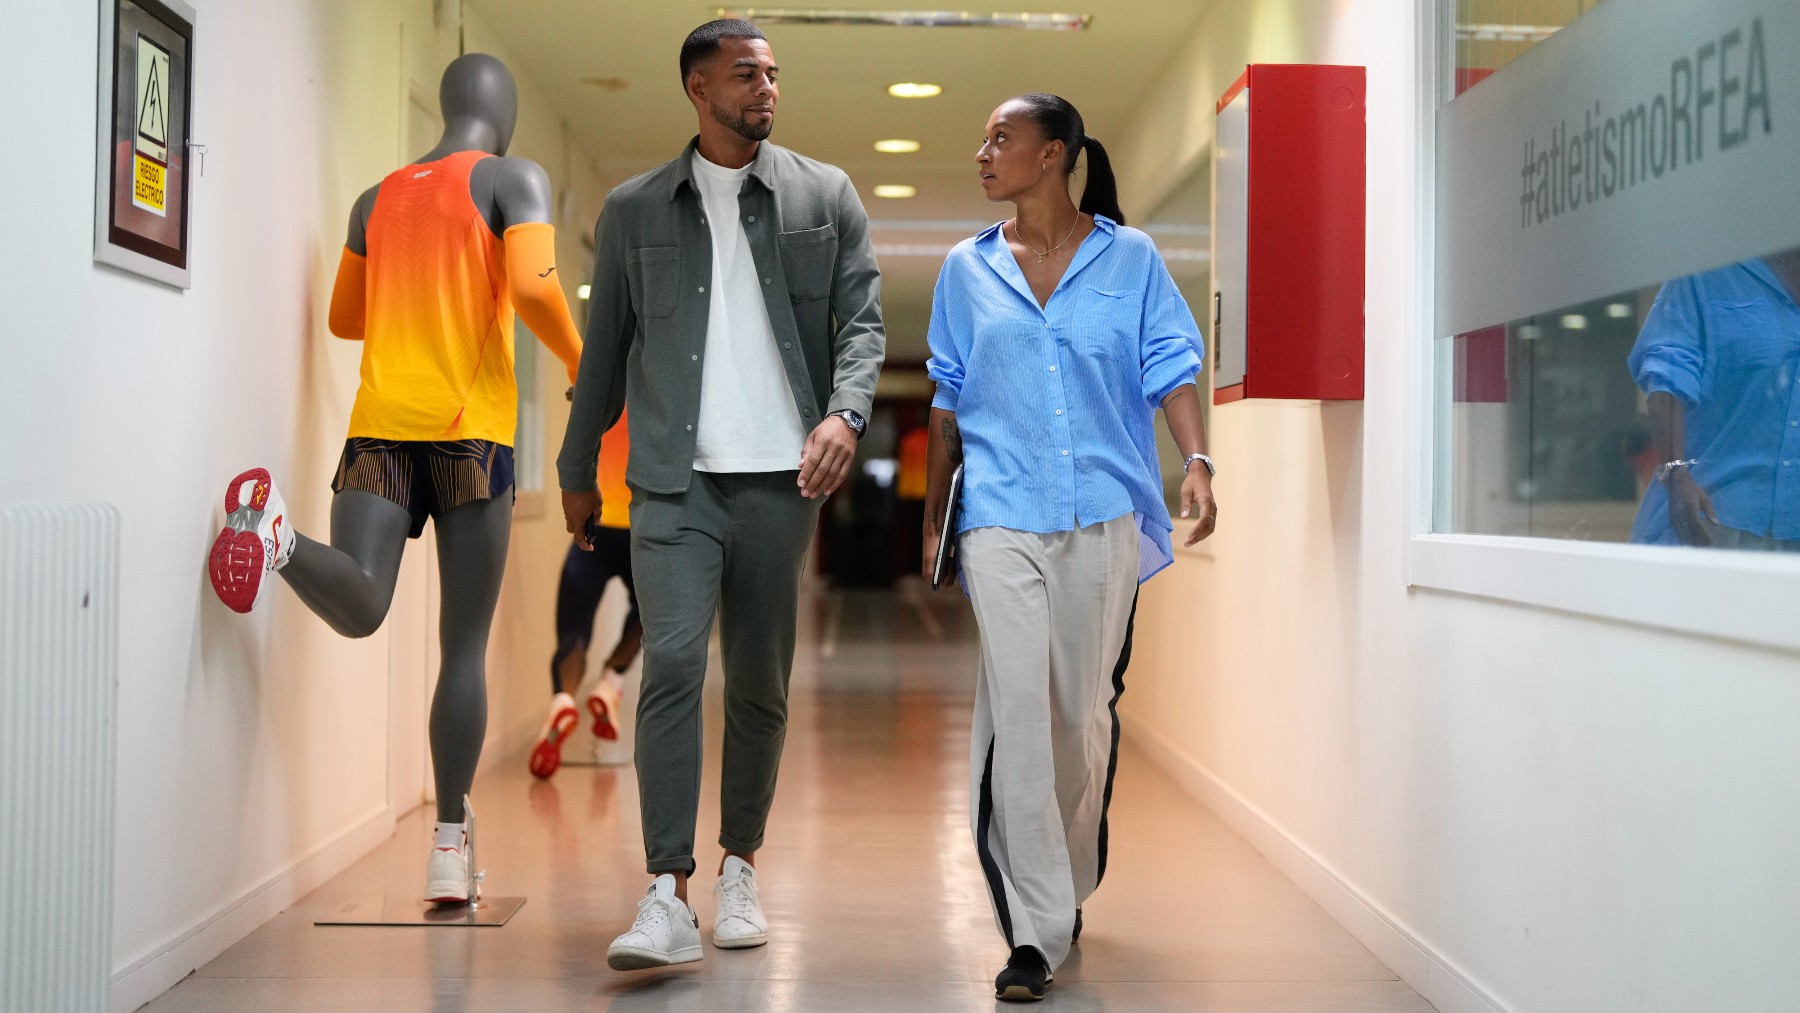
{"points": [[1431, 973], [156, 971]]}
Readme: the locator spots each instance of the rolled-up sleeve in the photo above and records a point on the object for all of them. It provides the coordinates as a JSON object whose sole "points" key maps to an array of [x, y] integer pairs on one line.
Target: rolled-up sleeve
{"points": [[1670, 353], [948, 339], [1171, 349]]}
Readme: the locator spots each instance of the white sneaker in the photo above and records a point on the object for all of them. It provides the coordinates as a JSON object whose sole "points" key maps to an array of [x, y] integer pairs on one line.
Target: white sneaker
{"points": [[447, 875], [740, 922], [665, 932], [255, 542]]}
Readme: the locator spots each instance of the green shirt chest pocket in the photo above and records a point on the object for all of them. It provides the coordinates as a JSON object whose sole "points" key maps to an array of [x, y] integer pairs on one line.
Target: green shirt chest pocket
{"points": [[654, 276], [808, 259]]}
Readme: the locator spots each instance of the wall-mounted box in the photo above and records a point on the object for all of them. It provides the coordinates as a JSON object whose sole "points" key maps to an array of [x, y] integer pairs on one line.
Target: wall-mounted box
{"points": [[1288, 224]]}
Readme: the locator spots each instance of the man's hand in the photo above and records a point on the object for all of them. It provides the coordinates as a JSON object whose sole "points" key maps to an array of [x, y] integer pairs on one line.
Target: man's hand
{"points": [[1197, 501], [577, 508], [1689, 508], [825, 462]]}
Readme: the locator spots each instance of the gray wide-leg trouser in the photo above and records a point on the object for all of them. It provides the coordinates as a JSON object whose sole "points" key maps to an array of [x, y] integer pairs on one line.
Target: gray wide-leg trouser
{"points": [[1055, 614], [735, 544]]}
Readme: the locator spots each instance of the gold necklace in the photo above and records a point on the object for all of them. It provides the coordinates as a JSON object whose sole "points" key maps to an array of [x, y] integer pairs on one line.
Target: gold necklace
{"points": [[1041, 254]]}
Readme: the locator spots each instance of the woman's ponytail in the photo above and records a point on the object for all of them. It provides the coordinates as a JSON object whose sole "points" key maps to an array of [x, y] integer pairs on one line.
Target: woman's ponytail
{"points": [[1101, 194]]}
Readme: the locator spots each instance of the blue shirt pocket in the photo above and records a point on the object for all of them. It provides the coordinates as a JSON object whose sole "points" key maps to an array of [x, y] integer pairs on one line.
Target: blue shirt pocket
{"points": [[1106, 323]]}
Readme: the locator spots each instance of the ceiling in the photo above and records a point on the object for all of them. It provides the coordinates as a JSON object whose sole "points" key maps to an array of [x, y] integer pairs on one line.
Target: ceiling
{"points": [[834, 102]]}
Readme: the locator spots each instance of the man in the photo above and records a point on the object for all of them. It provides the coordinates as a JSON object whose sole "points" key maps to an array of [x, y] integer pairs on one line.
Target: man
{"points": [[736, 304]]}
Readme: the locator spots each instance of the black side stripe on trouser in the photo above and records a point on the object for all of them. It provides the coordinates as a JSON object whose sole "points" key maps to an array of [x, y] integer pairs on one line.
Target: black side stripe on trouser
{"points": [[1112, 761], [990, 869]]}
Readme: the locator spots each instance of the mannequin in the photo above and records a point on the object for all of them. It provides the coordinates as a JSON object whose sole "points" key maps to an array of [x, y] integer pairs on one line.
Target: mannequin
{"points": [[432, 288]]}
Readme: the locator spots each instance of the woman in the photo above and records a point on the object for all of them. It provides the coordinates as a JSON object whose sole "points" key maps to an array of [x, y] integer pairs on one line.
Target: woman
{"points": [[1055, 335]]}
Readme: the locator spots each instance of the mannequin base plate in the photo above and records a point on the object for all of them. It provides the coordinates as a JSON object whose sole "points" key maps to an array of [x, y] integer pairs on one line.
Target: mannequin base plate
{"points": [[489, 912]]}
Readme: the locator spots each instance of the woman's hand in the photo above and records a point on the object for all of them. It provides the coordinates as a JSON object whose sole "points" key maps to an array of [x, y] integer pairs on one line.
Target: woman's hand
{"points": [[1197, 501], [928, 565], [1690, 508]]}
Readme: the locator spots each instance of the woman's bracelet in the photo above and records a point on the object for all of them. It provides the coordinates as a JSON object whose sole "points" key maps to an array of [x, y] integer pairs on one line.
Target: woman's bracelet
{"points": [[1663, 470]]}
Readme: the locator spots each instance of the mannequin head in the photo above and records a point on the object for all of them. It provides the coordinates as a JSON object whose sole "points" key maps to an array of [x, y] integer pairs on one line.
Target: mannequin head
{"points": [[480, 103]]}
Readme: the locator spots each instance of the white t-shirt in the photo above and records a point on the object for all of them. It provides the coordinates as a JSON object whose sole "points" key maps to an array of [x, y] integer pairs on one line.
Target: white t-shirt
{"points": [[748, 419]]}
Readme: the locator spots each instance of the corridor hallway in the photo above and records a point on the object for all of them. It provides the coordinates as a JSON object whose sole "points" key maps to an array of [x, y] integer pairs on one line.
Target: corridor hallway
{"points": [[874, 895]]}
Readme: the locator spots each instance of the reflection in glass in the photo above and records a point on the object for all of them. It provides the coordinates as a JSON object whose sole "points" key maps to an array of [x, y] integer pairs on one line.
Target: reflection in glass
{"points": [[1717, 361], [1493, 33], [1547, 435]]}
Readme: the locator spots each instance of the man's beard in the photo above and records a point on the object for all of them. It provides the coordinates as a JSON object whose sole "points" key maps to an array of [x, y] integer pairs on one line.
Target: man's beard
{"points": [[741, 126]]}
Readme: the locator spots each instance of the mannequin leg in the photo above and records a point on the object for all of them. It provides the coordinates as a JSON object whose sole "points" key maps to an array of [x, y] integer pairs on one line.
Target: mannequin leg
{"points": [[472, 541], [350, 582]]}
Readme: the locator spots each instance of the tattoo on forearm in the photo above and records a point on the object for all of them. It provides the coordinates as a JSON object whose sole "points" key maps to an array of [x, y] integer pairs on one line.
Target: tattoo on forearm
{"points": [[953, 441]]}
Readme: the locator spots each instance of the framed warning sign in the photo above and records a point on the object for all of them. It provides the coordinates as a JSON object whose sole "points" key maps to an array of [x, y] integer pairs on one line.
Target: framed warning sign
{"points": [[141, 200]]}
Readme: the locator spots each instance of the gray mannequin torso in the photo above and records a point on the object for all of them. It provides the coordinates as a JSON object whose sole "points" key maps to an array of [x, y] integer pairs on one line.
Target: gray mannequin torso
{"points": [[480, 105]]}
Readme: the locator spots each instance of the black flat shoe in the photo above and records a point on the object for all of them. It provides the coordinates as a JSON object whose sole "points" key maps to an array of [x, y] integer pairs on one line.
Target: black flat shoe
{"points": [[1075, 937], [1025, 978]]}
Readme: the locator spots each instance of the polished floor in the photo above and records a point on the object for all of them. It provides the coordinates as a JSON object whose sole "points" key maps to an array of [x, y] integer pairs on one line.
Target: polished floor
{"points": [[868, 876]]}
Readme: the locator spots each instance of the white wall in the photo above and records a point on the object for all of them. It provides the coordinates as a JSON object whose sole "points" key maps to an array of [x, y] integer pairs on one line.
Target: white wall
{"points": [[253, 750], [1519, 809]]}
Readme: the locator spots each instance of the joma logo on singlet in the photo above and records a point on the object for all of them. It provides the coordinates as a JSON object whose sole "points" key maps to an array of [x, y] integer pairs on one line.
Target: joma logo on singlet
{"points": [[422, 175]]}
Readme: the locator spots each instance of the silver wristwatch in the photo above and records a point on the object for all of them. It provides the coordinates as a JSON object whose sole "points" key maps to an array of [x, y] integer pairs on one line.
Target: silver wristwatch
{"points": [[853, 419], [1188, 464]]}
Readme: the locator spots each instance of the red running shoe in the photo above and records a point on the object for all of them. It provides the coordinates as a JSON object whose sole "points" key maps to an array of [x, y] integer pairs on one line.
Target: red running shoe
{"points": [[603, 704], [256, 540], [546, 756]]}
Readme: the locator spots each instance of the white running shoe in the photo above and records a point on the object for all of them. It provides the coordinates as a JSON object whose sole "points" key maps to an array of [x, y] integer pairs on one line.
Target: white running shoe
{"points": [[740, 922], [255, 542], [665, 932], [447, 875]]}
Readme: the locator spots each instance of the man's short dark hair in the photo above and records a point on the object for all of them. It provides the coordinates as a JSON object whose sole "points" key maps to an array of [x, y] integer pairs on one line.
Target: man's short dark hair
{"points": [[704, 41]]}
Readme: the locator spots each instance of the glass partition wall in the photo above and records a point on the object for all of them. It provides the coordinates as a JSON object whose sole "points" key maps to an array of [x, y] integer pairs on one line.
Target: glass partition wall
{"points": [[1619, 326]]}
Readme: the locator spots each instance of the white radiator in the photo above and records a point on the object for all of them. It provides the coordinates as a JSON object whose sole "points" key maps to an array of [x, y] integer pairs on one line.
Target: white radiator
{"points": [[59, 621]]}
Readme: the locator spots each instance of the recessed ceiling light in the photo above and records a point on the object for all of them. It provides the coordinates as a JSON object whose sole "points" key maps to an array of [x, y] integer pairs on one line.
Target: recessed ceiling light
{"points": [[1618, 310], [896, 191], [584, 291], [922, 19], [909, 89], [1574, 322], [896, 146]]}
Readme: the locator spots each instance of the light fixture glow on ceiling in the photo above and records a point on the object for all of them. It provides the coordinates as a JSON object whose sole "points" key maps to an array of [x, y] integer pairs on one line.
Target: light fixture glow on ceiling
{"points": [[584, 291], [1530, 331], [896, 146], [896, 191], [912, 89], [1618, 310], [1574, 322], [917, 19]]}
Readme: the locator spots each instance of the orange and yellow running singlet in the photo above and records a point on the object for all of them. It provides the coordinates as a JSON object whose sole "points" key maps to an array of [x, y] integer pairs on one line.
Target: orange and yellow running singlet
{"points": [[438, 340]]}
